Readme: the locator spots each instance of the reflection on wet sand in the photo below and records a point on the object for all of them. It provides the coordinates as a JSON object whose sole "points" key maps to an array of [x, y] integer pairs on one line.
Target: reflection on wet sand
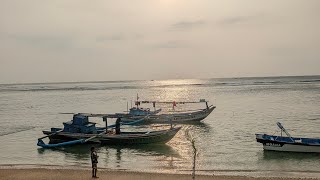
{"points": [[118, 157], [283, 156], [120, 153], [79, 151], [145, 150]]}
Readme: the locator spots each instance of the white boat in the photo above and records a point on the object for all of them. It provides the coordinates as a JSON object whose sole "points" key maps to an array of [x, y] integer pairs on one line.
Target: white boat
{"points": [[288, 143], [176, 116]]}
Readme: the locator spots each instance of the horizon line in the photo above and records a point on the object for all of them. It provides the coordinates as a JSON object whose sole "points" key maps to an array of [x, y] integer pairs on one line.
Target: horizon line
{"points": [[104, 81]]}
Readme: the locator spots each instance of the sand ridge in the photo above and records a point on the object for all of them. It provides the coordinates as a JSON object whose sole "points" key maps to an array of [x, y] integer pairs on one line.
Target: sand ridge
{"points": [[67, 174]]}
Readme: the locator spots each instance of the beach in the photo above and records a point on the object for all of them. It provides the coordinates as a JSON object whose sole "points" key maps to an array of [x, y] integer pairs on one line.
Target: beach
{"points": [[161, 90], [225, 140], [71, 174]]}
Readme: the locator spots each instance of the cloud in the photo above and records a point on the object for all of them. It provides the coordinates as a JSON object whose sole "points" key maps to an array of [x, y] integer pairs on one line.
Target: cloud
{"points": [[234, 20], [237, 20], [115, 37], [293, 52], [170, 45], [183, 25], [43, 41]]}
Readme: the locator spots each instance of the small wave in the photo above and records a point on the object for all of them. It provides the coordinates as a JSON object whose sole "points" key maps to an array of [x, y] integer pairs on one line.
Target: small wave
{"points": [[310, 81], [93, 88], [71, 89], [313, 119], [227, 84], [268, 82], [15, 130]]}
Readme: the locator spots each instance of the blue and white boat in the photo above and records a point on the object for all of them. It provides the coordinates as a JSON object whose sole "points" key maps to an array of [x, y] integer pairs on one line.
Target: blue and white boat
{"points": [[187, 116], [288, 143]]}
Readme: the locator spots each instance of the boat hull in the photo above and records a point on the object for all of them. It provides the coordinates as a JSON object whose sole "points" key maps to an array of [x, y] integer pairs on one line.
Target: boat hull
{"points": [[278, 143], [146, 139], [176, 118], [125, 138], [292, 148]]}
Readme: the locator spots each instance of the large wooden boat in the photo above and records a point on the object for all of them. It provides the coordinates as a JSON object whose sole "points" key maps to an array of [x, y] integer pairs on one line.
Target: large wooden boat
{"points": [[175, 116], [80, 130], [125, 138], [181, 117], [288, 143]]}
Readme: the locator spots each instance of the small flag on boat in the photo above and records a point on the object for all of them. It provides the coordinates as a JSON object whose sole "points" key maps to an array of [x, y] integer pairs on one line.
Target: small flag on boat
{"points": [[174, 104]]}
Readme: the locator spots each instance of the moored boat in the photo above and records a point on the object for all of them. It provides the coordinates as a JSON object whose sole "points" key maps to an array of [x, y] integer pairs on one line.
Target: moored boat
{"points": [[176, 116], [288, 143], [80, 130], [182, 117]]}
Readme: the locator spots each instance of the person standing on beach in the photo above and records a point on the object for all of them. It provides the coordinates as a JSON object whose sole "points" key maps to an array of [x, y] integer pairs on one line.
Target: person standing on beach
{"points": [[94, 161]]}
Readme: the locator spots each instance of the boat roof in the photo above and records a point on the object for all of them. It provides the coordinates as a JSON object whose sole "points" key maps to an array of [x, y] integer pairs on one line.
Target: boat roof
{"points": [[117, 115], [170, 102]]}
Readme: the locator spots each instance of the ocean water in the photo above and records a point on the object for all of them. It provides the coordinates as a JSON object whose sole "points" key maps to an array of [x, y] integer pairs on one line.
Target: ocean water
{"points": [[225, 140]]}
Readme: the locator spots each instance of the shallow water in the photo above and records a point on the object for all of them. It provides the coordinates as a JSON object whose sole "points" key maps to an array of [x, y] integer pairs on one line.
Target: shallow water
{"points": [[225, 140]]}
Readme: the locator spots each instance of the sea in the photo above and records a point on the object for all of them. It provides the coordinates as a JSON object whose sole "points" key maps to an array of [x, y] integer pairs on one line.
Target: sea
{"points": [[225, 140]]}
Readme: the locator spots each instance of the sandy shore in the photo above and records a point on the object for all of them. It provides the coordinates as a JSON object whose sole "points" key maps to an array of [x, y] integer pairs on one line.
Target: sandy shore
{"points": [[48, 174]]}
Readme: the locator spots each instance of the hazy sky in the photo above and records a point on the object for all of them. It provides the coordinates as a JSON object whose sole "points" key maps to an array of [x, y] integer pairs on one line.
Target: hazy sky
{"points": [[83, 40]]}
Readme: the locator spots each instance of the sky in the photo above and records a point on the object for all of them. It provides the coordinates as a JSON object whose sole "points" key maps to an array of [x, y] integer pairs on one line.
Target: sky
{"points": [[103, 40]]}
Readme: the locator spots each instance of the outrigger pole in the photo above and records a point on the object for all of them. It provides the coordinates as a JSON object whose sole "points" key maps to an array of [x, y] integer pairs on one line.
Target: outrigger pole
{"points": [[78, 141]]}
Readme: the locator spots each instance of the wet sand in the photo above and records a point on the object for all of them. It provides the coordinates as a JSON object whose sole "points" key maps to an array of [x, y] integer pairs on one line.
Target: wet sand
{"points": [[48, 174]]}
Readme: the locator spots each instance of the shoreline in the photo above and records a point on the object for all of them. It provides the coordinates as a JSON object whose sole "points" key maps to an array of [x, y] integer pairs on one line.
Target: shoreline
{"points": [[71, 174], [75, 172]]}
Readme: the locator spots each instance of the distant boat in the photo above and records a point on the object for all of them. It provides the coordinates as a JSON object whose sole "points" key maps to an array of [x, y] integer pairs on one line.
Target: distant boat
{"points": [[288, 143], [80, 130]]}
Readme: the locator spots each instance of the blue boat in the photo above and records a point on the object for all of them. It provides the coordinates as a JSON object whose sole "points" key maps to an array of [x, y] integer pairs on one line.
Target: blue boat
{"points": [[288, 143]]}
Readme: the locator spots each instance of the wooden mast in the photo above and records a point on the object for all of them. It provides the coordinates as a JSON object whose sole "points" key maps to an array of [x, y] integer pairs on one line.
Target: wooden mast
{"points": [[106, 120]]}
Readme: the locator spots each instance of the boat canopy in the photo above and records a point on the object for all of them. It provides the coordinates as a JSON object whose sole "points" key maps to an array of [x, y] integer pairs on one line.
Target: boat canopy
{"points": [[101, 115], [170, 102]]}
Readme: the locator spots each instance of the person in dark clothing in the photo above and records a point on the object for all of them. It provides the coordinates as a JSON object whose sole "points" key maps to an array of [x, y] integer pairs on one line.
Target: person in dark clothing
{"points": [[118, 126], [94, 161]]}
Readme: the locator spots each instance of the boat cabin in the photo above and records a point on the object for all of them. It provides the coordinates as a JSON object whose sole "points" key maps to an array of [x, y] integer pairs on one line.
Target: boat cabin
{"points": [[139, 111], [80, 124]]}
